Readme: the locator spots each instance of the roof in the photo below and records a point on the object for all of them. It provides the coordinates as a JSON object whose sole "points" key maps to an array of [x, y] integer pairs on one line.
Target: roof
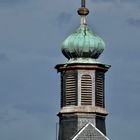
{"points": [[89, 132]]}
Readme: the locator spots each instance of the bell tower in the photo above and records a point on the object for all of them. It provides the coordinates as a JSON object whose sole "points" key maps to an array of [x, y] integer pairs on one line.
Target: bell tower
{"points": [[82, 81]]}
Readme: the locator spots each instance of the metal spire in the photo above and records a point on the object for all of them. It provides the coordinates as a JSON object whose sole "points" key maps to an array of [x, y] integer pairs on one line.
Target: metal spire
{"points": [[83, 3]]}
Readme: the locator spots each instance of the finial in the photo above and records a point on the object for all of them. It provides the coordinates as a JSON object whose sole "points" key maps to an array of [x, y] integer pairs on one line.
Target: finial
{"points": [[83, 12]]}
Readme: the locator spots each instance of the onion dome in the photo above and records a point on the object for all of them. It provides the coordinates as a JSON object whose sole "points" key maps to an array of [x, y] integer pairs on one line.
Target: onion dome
{"points": [[83, 46]]}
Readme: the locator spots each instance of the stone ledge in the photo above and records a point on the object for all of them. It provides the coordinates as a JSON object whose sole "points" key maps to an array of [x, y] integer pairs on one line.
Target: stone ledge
{"points": [[83, 109]]}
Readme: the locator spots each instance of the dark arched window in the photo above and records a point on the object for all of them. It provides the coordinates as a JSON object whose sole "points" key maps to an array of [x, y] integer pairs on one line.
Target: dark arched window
{"points": [[86, 90]]}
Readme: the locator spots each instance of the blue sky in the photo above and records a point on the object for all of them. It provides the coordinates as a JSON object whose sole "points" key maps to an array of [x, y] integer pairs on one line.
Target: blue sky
{"points": [[31, 34]]}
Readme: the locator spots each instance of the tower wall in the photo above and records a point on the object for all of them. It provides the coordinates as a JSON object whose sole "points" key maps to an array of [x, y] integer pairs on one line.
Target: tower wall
{"points": [[82, 98]]}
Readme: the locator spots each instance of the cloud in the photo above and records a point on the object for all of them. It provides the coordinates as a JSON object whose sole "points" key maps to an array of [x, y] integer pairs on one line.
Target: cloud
{"points": [[8, 115], [64, 18], [133, 22], [31, 108]]}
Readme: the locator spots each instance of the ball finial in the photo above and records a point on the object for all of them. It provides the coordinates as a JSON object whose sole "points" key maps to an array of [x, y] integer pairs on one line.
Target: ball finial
{"points": [[83, 11]]}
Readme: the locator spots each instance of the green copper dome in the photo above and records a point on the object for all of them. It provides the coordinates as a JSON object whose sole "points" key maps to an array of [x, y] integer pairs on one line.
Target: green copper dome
{"points": [[83, 46]]}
